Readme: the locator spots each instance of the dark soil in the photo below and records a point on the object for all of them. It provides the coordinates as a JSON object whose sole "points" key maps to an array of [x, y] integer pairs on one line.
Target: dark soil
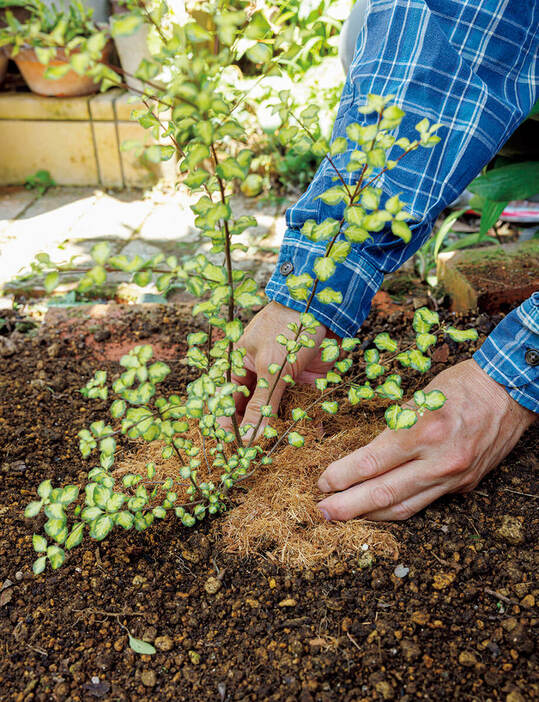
{"points": [[458, 626]]}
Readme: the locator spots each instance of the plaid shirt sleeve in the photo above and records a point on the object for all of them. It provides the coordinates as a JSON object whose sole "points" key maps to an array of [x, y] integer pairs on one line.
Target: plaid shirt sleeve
{"points": [[510, 355], [469, 64]]}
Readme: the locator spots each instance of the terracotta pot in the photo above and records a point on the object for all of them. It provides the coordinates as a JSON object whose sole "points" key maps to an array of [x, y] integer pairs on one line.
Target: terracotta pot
{"points": [[70, 85], [3, 67]]}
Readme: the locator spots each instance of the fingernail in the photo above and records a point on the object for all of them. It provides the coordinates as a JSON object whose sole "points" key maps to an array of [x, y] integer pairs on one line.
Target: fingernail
{"points": [[325, 514], [323, 485]]}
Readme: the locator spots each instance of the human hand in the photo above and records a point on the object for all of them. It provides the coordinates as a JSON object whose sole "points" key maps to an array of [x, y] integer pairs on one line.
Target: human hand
{"points": [[262, 349], [449, 450]]}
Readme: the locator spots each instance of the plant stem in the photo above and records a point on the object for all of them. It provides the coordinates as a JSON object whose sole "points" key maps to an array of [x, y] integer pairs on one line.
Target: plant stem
{"points": [[142, 5], [311, 136], [229, 271], [330, 391]]}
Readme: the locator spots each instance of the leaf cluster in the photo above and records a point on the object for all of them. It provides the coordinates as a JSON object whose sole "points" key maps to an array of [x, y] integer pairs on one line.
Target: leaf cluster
{"points": [[200, 118]]}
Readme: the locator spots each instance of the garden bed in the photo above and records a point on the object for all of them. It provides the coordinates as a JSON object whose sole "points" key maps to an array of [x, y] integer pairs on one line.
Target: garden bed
{"points": [[458, 624]]}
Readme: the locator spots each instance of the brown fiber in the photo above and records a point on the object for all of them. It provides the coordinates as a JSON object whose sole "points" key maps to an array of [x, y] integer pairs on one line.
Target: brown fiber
{"points": [[276, 517]]}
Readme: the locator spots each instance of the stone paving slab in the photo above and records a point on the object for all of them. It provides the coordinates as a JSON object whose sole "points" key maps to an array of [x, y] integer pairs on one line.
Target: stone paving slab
{"points": [[67, 222], [113, 216], [13, 201]]}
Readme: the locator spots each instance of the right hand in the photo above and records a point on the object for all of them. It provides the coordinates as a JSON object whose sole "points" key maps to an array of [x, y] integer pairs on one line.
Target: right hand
{"points": [[262, 349]]}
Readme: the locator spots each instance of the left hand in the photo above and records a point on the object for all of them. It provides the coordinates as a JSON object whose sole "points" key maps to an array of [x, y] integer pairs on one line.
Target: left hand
{"points": [[448, 450]]}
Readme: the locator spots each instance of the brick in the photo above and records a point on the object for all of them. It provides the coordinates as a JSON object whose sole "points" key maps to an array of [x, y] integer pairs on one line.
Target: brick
{"points": [[491, 279], [137, 172], [13, 200], [125, 104], [102, 105], [46, 224], [116, 216], [36, 107]]}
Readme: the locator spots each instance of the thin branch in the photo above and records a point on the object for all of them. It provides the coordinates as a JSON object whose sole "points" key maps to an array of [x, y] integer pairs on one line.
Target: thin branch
{"points": [[339, 175], [229, 270]]}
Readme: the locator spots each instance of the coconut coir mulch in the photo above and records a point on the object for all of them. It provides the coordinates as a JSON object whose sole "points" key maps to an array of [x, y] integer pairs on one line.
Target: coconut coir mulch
{"points": [[459, 625], [274, 514]]}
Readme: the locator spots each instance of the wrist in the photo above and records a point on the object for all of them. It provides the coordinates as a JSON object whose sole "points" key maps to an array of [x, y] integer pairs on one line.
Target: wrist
{"points": [[497, 394]]}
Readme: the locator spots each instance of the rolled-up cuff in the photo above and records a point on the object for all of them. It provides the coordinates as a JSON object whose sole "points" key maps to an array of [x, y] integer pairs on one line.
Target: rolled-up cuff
{"points": [[510, 353], [356, 279]]}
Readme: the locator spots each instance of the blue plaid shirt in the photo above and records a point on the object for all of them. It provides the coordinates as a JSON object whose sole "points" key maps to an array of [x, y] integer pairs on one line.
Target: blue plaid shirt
{"points": [[471, 65]]}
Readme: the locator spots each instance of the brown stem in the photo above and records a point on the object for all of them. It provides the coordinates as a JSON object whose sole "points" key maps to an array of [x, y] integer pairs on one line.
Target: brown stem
{"points": [[127, 74], [142, 4], [229, 270], [309, 133], [330, 391]]}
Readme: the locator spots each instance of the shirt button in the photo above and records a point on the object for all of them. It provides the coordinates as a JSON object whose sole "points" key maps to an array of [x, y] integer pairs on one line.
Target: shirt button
{"points": [[532, 357], [286, 268]]}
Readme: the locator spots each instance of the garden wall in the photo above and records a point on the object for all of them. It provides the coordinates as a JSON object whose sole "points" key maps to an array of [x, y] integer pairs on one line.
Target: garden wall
{"points": [[77, 140]]}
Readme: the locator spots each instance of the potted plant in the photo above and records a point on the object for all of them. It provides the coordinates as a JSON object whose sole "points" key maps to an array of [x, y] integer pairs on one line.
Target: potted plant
{"points": [[16, 7], [55, 49], [131, 38]]}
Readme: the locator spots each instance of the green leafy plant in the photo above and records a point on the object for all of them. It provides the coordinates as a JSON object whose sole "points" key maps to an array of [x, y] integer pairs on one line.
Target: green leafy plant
{"points": [[210, 461], [308, 31], [496, 188], [493, 191], [40, 181], [48, 27]]}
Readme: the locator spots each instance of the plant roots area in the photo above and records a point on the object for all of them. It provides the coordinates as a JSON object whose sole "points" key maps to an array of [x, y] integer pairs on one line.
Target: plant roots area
{"points": [[265, 602]]}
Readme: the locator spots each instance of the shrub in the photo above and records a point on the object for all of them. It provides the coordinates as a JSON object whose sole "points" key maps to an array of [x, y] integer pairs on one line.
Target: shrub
{"points": [[210, 460]]}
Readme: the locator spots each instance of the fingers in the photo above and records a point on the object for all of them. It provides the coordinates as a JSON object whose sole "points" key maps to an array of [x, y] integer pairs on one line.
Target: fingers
{"points": [[408, 507], [388, 450], [383, 495]]}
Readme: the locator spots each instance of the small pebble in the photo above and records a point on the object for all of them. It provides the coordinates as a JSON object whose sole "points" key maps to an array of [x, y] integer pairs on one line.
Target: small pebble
{"points": [[401, 571], [511, 530], [212, 585], [194, 656], [384, 689], [19, 575], [102, 334], [442, 580], [528, 601], [467, 659], [150, 634], [288, 602], [148, 678], [164, 643], [515, 696], [420, 618]]}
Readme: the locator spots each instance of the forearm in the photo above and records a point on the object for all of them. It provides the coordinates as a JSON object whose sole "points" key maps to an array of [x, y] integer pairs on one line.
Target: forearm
{"points": [[447, 71]]}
